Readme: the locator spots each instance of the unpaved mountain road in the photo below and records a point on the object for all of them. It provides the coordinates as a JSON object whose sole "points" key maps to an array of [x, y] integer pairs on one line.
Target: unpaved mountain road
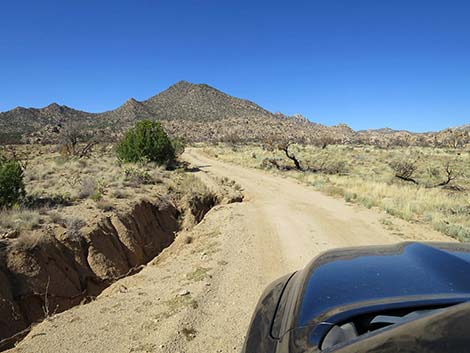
{"points": [[198, 297], [295, 222]]}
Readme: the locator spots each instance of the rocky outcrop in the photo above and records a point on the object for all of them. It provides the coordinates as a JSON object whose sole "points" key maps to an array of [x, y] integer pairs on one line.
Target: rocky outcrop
{"points": [[53, 273]]}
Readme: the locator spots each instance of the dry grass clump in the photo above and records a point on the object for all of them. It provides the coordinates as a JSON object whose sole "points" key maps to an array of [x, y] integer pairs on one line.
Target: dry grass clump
{"points": [[88, 188], [56, 217], [230, 183], [104, 205], [190, 184], [19, 219], [194, 198], [27, 241], [365, 175], [74, 226], [135, 176], [120, 194]]}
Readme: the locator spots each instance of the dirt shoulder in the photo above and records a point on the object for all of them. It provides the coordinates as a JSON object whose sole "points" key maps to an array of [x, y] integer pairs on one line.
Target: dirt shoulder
{"points": [[198, 295]]}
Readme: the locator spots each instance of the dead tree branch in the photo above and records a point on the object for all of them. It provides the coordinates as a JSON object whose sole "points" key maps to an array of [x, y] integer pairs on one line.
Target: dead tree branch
{"points": [[285, 147], [23, 158], [405, 171], [86, 150], [450, 176]]}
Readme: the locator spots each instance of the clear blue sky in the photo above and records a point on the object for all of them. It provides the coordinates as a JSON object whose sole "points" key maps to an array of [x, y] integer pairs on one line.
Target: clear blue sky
{"points": [[404, 64]]}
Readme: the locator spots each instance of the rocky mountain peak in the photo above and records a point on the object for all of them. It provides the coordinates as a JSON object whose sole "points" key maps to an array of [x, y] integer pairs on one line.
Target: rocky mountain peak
{"points": [[132, 102], [53, 108]]}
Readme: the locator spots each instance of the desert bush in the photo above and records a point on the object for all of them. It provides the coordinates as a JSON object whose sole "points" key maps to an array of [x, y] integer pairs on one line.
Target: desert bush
{"points": [[404, 170], [88, 188], [334, 190], [269, 163], [350, 196], [179, 145], [146, 141], [56, 217], [19, 219], [11, 182], [137, 176], [331, 167], [96, 196], [104, 205], [74, 226], [70, 136], [120, 194]]}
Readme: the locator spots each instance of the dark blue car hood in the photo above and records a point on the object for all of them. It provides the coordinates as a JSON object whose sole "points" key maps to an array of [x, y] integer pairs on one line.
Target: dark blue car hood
{"points": [[414, 271], [405, 270]]}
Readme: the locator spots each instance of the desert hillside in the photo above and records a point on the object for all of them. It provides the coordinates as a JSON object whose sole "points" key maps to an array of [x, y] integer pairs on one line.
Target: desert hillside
{"points": [[201, 113]]}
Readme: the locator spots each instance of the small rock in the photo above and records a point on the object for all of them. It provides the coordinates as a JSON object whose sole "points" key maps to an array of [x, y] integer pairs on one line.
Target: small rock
{"points": [[11, 234], [183, 292]]}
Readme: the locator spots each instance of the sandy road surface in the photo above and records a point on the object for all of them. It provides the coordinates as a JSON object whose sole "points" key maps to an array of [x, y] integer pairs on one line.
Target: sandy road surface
{"points": [[236, 251], [298, 222]]}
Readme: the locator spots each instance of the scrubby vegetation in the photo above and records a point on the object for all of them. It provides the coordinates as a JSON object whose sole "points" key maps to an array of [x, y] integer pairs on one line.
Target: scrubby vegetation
{"points": [[46, 187], [61, 194], [147, 141], [11, 182], [417, 184]]}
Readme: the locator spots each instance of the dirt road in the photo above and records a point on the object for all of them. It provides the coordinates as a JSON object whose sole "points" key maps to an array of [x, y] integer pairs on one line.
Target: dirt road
{"points": [[295, 222], [198, 295]]}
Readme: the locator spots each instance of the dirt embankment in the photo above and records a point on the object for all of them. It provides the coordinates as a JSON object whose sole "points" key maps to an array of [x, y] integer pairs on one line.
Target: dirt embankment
{"points": [[40, 277]]}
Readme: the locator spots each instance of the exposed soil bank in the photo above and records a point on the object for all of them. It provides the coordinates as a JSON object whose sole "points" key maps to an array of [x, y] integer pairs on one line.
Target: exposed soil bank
{"points": [[51, 274]]}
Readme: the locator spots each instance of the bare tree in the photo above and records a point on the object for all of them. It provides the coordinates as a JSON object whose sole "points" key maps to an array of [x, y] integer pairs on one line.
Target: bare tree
{"points": [[450, 175], [324, 140], [22, 157], [285, 147], [404, 170], [232, 139], [72, 136]]}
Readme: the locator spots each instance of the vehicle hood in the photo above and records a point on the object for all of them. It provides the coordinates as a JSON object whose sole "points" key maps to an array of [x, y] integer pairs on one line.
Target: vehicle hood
{"points": [[344, 283], [345, 278]]}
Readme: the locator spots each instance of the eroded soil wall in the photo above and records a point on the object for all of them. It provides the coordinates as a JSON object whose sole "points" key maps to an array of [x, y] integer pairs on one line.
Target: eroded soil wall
{"points": [[58, 272]]}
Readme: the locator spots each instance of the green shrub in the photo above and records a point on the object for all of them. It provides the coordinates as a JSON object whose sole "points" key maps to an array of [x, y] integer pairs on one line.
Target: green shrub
{"points": [[11, 182], [350, 196], [179, 144], [97, 196], [147, 141]]}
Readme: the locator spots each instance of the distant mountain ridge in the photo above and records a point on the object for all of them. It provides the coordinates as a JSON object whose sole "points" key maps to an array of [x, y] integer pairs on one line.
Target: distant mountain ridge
{"points": [[465, 127], [20, 122], [196, 112], [186, 100]]}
